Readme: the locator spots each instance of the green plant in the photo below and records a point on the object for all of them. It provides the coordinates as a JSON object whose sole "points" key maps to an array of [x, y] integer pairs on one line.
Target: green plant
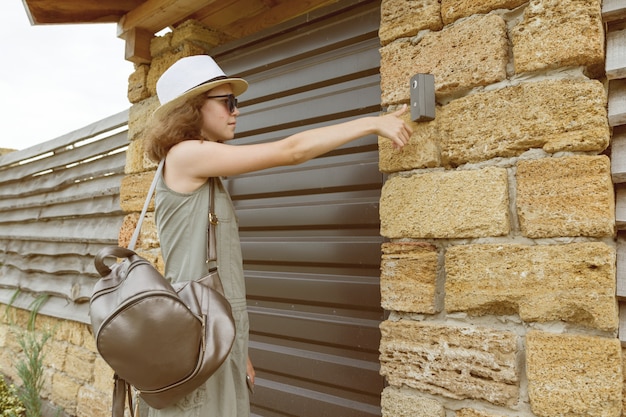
{"points": [[30, 368], [10, 404]]}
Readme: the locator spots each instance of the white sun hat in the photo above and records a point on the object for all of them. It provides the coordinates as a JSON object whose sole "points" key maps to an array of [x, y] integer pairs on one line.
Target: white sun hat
{"points": [[189, 77]]}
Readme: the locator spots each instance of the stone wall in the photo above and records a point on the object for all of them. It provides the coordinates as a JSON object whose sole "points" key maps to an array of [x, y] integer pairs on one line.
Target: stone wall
{"points": [[499, 271], [77, 381]]}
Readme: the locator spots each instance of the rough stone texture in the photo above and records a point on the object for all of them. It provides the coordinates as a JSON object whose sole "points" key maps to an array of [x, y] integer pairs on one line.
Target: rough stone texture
{"points": [[556, 115], [138, 117], [556, 33], [397, 402], [162, 62], [587, 370], [133, 191], [446, 204], [573, 282], [148, 235], [452, 10], [136, 157], [402, 18], [455, 362], [468, 412], [102, 376], [452, 55], [79, 363], [408, 280], [195, 32], [569, 196], [422, 151], [64, 392], [92, 403], [138, 84]]}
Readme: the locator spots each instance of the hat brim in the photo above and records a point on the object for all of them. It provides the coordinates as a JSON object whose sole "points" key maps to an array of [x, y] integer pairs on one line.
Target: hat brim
{"points": [[239, 87]]}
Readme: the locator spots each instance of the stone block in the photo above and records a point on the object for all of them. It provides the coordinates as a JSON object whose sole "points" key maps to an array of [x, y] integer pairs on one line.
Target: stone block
{"points": [[446, 204], [454, 362], [102, 376], [138, 84], [163, 61], [573, 282], [569, 196], [197, 33], [469, 412], [422, 151], [161, 44], [148, 235], [55, 354], [452, 10], [139, 117], [397, 402], [92, 403], [136, 157], [472, 53], [408, 280], [403, 18], [64, 392], [555, 34], [555, 115], [133, 191], [79, 363], [585, 370]]}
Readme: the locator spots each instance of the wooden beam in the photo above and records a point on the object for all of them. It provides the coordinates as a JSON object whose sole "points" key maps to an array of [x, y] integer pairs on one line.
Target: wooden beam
{"points": [[618, 155], [613, 10], [155, 15], [137, 48]]}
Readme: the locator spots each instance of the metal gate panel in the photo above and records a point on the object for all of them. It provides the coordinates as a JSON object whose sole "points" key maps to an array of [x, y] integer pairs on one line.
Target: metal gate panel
{"points": [[310, 233]]}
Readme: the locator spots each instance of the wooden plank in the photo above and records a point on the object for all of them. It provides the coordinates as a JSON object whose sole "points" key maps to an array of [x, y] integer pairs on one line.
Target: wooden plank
{"points": [[620, 207], [104, 206], [54, 306], [622, 323], [66, 178], [53, 265], [613, 10], [616, 54], [97, 229], [62, 160], [618, 155], [119, 120], [154, 15], [36, 247], [617, 102], [98, 187], [74, 286]]}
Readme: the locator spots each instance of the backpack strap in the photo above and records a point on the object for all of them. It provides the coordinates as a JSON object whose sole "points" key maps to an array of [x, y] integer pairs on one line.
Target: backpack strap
{"points": [[121, 390], [133, 240]]}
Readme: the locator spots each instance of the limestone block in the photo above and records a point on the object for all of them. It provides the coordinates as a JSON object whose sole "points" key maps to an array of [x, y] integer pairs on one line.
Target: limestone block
{"points": [[68, 331], [557, 34], [64, 392], [160, 44], [573, 282], [102, 375], [446, 204], [569, 196], [469, 54], [138, 84], [422, 151], [163, 61], [133, 191], [408, 280], [55, 354], [454, 362], [136, 157], [403, 18], [139, 117], [89, 341], [397, 402], [79, 363], [586, 370], [469, 412], [92, 403], [197, 33], [452, 10], [148, 235], [556, 115]]}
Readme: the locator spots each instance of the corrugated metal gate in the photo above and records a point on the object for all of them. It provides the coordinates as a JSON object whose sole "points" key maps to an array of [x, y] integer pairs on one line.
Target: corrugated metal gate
{"points": [[310, 233]]}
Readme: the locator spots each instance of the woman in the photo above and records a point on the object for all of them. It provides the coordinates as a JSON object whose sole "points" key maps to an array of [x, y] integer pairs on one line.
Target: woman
{"points": [[197, 116]]}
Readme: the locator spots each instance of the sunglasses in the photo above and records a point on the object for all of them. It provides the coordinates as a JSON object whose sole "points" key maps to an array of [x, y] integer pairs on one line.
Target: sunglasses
{"points": [[231, 101]]}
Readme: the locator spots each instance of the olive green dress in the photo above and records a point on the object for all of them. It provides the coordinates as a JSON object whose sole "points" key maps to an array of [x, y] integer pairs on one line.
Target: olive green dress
{"points": [[182, 221]]}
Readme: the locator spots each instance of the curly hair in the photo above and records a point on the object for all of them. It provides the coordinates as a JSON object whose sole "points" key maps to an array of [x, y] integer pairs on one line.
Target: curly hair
{"points": [[180, 123]]}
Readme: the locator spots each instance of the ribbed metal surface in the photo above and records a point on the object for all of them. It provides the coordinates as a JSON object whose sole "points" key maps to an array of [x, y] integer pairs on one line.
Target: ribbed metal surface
{"points": [[310, 233]]}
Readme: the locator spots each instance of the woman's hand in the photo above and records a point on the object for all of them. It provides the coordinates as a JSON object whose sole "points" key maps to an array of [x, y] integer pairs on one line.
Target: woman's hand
{"points": [[392, 127], [250, 373]]}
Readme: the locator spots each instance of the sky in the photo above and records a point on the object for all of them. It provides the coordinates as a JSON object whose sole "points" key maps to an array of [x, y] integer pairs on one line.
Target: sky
{"points": [[55, 79]]}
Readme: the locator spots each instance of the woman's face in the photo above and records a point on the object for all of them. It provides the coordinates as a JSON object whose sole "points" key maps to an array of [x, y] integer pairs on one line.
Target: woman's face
{"points": [[218, 122]]}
